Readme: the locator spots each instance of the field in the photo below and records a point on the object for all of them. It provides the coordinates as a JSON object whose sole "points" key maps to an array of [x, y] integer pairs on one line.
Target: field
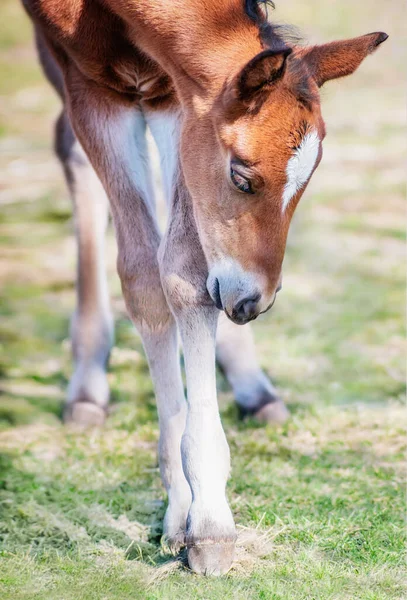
{"points": [[320, 501]]}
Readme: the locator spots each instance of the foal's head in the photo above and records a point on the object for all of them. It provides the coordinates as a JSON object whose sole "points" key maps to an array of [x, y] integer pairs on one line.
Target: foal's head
{"points": [[248, 161]]}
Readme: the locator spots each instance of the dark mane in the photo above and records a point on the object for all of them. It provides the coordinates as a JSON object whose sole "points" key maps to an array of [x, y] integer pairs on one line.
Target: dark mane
{"points": [[272, 35], [279, 38]]}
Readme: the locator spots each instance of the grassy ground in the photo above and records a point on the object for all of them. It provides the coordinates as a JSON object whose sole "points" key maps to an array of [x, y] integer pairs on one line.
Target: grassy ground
{"points": [[319, 502]]}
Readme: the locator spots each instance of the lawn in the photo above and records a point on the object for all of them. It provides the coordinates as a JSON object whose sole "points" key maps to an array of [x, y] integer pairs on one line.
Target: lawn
{"points": [[319, 502]]}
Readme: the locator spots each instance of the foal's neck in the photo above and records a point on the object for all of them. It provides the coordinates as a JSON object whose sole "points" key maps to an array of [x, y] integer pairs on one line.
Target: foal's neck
{"points": [[200, 44]]}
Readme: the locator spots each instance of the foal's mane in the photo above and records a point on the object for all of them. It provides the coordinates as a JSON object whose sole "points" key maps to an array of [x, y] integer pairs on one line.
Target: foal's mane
{"points": [[279, 37], [273, 35]]}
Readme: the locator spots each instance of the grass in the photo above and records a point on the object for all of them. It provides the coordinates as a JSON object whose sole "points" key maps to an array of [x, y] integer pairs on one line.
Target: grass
{"points": [[319, 502]]}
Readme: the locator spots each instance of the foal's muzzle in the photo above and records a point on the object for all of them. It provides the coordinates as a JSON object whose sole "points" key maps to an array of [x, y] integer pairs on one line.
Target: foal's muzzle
{"points": [[238, 294], [241, 311]]}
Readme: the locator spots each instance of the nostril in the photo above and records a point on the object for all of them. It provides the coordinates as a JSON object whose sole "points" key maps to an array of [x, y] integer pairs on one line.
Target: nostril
{"points": [[247, 309]]}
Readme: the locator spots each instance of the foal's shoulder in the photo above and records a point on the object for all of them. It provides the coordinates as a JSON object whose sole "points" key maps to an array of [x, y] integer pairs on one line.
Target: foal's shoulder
{"points": [[95, 39]]}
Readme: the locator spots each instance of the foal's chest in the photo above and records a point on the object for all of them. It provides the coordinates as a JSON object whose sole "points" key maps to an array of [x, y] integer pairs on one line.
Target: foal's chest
{"points": [[96, 40]]}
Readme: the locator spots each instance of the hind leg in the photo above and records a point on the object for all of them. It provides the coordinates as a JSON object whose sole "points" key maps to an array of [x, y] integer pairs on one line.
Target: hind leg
{"points": [[92, 323], [236, 354]]}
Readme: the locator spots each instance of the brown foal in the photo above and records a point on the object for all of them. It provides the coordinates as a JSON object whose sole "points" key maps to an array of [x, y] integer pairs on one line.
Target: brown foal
{"points": [[234, 108]]}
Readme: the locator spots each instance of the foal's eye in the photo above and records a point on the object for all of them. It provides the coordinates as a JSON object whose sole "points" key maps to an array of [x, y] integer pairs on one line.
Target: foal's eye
{"points": [[242, 184]]}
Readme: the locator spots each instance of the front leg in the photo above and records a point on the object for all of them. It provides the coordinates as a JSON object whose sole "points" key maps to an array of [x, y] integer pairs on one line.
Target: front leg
{"points": [[210, 533], [111, 129]]}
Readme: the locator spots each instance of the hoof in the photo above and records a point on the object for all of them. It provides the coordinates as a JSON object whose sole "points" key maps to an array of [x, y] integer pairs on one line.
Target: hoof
{"points": [[259, 399], [268, 408], [274, 412], [175, 543], [175, 521], [211, 557], [85, 414]]}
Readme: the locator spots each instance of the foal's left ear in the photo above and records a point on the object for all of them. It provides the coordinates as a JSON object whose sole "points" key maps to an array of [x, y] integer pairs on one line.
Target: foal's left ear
{"points": [[337, 59], [261, 74]]}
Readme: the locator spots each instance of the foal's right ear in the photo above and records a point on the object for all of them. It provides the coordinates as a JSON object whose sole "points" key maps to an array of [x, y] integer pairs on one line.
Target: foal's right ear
{"points": [[260, 75], [338, 59]]}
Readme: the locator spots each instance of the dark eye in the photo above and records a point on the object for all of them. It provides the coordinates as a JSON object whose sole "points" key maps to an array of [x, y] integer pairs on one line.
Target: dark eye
{"points": [[240, 182]]}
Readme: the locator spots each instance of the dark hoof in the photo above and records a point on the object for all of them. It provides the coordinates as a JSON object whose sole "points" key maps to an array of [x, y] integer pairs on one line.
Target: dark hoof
{"points": [[211, 557], [85, 414]]}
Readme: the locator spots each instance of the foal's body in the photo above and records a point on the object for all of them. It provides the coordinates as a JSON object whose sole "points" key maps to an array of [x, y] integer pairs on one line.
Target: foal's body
{"points": [[153, 102], [123, 65]]}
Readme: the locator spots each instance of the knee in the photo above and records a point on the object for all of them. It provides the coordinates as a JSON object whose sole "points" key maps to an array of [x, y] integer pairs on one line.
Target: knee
{"points": [[184, 279], [179, 292], [143, 294]]}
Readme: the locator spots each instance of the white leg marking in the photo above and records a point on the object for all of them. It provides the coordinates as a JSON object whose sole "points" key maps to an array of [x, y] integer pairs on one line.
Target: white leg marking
{"points": [[124, 137], [122, 161], [210, 534], [165, 128], [163, 357], [205, 452], [140, 163], [300, 166]]}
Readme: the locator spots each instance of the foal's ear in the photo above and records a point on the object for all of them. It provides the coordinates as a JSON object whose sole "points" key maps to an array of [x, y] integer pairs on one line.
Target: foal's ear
{"points": [[260, 74], [338, 59]]}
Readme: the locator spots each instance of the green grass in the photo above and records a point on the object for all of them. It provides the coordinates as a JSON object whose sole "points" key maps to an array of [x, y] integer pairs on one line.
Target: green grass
{"points": [[321, 506], [320, 502]]}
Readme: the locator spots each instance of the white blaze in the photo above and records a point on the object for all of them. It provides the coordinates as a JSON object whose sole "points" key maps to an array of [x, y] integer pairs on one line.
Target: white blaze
{"points": [[300, 166]]}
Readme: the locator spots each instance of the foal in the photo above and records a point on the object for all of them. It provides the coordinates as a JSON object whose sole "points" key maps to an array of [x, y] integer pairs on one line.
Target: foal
{"points": [[235, 112]]}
